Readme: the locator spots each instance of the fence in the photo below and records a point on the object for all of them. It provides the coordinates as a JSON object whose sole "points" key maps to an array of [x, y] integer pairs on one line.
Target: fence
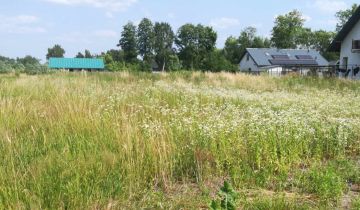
{"points": [[350, 72]]}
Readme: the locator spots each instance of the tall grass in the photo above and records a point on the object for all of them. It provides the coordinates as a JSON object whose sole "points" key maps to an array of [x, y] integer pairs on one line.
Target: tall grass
{"points": [[136, 140]]}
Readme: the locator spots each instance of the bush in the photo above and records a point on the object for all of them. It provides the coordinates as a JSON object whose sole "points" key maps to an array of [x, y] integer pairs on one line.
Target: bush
{"points": [[5, 67], [325, 182], [356, 204], [36, 69], [227, 197], [217, 62]]}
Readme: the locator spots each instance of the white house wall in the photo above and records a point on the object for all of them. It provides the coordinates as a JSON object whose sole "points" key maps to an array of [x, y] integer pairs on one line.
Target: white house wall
{"points": [[245, 64], [346, 48]]}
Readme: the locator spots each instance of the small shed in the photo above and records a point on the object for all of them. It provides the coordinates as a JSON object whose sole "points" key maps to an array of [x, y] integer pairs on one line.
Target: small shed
{"points": [[77, 64]]}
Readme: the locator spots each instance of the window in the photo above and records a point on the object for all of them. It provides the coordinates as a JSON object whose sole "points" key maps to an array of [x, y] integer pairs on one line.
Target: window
{"points": [[356, 45], [247, 57]]}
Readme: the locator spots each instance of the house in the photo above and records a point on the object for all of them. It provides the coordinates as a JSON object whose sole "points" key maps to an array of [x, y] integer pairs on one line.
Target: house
{"points": [[73, 64], [347, 42], [278, 61]]}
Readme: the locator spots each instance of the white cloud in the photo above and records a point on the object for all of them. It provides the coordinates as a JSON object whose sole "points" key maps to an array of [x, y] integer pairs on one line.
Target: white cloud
{"points": [[330, 6], [110, 5], [224, 23], [21, 24]]}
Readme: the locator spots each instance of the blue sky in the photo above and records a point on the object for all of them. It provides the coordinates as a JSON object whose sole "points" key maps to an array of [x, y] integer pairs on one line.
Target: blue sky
{"points": [[29, 27]]}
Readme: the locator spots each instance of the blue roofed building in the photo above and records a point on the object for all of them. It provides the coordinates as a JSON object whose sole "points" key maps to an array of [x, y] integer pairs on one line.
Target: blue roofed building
{"points": [[77, 64]]}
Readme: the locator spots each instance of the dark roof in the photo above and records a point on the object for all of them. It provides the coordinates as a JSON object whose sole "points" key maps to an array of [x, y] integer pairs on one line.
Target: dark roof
{"points": [[336, 44], [303, 62], [76, 63], [286, 57]]}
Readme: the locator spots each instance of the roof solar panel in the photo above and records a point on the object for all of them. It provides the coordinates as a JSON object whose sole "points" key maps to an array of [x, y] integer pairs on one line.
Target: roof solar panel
{"points": [[280, 57], [304, 62], [304, 57]]}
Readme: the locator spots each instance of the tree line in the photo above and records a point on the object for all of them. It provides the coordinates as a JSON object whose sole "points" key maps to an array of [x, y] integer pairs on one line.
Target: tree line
{"points": [[150, 45], [193, 47]]}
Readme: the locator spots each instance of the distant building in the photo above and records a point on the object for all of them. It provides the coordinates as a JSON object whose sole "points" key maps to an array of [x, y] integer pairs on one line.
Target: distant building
{"points": [[347, 42], [278, 61], [77, 64]]}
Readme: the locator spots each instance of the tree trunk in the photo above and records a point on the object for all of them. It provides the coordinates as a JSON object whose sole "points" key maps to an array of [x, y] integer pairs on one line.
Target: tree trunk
{"points": [[163, 67]]}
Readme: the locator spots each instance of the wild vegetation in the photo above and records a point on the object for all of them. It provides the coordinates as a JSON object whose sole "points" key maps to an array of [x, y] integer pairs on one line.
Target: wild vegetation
{"points": [[169, 141]]}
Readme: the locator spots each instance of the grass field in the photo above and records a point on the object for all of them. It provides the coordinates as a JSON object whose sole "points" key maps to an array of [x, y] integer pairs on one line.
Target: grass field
{"points": [[169, 141]]}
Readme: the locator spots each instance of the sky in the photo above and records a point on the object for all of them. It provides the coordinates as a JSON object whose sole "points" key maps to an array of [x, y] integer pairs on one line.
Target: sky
{"points": [[30, 27]]}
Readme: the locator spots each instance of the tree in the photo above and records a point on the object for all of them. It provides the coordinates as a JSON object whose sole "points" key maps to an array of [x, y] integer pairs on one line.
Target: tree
{"points": [[287, 29], [247, 37], [187, 44], [232, 50], [164, 39], [195, 43], [79, 55], [145, 39], [55, 52], [116, 55], [344, 15], [88, 54], [321, 41], [128, 42], [304, 38], [216, 62], [28, 60], [207, 42], [236, 47]]}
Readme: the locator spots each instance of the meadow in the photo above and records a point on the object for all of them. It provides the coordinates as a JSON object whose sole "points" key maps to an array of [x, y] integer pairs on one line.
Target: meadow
{"points": [[170, 141]]}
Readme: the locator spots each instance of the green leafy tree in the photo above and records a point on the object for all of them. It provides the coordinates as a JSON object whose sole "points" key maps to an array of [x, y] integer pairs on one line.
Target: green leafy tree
{"points": [[55, 52], [116, 55], [79, 55], [187, 44], [145, 40], [207, 42], [304, 38], [195, 44], [246, 37], [249, 39], [216, 62], [287, 30], [128, 43], [88, 54], [28, 60], [235, 47], [232, 50], [163, 43], [321, 40], [344, 15]]}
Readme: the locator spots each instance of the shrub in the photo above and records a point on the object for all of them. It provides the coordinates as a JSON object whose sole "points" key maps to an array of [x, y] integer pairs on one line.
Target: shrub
{"points": [[36, 69], [5, 67], [226, 200], [325, 182]]}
